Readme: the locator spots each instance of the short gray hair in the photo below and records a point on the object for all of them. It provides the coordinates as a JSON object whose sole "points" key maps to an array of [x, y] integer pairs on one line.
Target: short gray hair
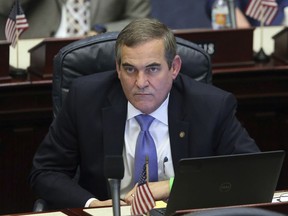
{"points": [[143, 30]]}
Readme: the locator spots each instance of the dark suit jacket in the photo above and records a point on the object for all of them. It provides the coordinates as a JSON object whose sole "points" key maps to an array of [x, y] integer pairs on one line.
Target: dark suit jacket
{"points": [[92, 121]]}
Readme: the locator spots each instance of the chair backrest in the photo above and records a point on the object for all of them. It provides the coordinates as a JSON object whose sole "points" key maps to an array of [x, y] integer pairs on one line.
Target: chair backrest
{"points": [[96, 54]]}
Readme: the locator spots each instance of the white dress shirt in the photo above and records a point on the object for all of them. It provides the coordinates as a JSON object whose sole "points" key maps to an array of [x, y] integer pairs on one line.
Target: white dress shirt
{"points": [[159, 132], [62, 29]]}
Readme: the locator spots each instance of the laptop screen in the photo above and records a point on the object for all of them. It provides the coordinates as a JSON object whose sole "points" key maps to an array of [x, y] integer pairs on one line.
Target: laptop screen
{"points": [[225, 180]]}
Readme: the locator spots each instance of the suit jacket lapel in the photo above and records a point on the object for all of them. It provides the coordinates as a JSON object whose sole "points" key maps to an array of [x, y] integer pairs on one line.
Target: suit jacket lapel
{"points": [[178, 127], [114, 118]]}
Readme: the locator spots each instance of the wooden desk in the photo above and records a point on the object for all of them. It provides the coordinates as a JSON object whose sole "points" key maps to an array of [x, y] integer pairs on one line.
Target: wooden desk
{"points": [[107, 211], [26, 113], [276, 207], [262, 94]]}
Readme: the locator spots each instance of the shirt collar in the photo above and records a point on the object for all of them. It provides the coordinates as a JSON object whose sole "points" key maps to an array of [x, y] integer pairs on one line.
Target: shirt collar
{"points": [[161, 114]]}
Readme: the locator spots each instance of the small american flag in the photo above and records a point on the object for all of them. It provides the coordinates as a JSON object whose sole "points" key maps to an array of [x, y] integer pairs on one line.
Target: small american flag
{"points": [[16, 23], [143, 200], [262, 10]]}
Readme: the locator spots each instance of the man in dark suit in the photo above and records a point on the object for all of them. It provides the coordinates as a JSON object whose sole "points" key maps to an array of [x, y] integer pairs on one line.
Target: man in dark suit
{"points": [[192, 119], [194, 14], [44, 16]]}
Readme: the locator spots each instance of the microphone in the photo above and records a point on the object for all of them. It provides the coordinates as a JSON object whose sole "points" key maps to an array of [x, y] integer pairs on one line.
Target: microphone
{"points": [[232, 15], [114, 172], [164, 161]]}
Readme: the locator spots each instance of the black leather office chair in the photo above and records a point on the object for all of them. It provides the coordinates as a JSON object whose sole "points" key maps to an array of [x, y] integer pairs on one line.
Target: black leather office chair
{"points": [[96, 54]]}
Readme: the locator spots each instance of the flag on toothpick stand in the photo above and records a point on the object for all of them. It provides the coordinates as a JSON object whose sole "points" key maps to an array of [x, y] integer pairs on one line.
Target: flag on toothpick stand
{"points": [[16, 23], [262, 10], [143, 200]]}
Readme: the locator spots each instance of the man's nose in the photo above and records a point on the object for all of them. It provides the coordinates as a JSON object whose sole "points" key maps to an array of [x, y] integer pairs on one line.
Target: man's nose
{"points": [[142, 80]]}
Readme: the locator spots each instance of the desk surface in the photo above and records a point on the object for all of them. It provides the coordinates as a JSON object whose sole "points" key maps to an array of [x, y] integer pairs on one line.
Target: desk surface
{"points": [[276, 206]]}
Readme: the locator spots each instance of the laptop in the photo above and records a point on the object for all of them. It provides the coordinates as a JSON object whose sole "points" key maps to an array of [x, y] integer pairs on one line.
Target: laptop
{"points": [[225, 180]]}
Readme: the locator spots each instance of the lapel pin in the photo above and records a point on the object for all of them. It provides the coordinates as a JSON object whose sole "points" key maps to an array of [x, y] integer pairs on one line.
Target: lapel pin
{"points": [[182, 134]]}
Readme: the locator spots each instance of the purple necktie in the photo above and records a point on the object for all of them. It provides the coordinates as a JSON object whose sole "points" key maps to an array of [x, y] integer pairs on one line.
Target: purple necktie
{"points": [[145, 149]]}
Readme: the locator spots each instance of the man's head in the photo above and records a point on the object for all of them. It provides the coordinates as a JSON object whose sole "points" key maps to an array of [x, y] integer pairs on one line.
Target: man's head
{"points": [[146, 63]]}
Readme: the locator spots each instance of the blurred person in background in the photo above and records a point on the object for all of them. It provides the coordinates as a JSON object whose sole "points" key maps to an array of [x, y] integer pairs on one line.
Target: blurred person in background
{"points": [[189, 14], [46, 17]]}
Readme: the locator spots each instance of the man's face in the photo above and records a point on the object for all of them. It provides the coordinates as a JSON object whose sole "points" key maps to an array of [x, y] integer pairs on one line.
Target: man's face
{"points": [[145, 76]]}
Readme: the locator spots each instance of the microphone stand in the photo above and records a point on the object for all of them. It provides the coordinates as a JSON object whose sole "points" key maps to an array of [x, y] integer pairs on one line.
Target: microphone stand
{"points": [[232, 15], [261, 56], [114, 172], [115, 190]]}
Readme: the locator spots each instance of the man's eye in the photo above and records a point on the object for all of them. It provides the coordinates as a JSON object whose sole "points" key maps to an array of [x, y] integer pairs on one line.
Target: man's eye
{"points": [[129, 69], [153, 69]]}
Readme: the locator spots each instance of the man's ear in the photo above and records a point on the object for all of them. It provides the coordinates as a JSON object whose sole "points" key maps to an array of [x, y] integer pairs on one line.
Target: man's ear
{"points": [[176, 66]]}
